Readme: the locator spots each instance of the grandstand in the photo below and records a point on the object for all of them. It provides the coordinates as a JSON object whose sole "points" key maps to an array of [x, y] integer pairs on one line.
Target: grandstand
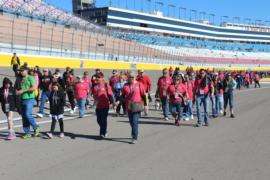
{"points": [[34, 27]]}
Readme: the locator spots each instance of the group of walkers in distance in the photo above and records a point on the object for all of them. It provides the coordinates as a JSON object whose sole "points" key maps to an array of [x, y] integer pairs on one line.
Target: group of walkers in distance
{"points": [[177, 93]]}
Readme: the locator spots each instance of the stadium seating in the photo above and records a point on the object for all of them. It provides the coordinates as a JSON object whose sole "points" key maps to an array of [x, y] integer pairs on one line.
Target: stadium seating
{"points": [[39, 9], [23, 32], [195, 43]]}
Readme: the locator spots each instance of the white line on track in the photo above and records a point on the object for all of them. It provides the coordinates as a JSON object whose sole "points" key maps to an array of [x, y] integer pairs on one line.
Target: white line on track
{"points": [[45, 122]]}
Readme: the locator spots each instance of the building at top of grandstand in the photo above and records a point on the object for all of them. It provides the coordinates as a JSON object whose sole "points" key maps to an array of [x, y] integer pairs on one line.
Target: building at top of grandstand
{"points": [[78, 5], [118, 18]]}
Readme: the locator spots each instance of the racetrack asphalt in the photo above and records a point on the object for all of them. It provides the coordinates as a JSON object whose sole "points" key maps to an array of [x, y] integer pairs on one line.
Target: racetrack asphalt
{"points": [[229, 149]]}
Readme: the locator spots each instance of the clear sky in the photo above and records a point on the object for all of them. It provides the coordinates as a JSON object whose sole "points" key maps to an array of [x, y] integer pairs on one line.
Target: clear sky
{"points": [[254, 9]]}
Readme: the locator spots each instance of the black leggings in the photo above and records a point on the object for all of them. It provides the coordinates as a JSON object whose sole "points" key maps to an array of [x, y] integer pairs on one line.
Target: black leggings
{"points": [[71, 99], [102, 115], [61, 124], [121, 104]]}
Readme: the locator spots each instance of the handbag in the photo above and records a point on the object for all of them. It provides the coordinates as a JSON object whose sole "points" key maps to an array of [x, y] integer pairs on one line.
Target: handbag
{"points": [[135, 107]]}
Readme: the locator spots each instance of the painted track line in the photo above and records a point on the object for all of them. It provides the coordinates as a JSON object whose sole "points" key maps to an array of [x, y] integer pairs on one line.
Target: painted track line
{"points": [[46, 122]]}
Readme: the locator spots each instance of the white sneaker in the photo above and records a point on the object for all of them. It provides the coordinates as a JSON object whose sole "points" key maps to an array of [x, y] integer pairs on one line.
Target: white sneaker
{"points": [[62, 135], [50, 115], [191, 117], [71, 112], [50, 135], [75, 109], [221, 112], [166, 119], [133, 141], [187, 119], [39, 115]]}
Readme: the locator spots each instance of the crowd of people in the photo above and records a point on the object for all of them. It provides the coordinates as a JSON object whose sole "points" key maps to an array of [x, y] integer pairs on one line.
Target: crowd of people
{"points": [[128, 93]]}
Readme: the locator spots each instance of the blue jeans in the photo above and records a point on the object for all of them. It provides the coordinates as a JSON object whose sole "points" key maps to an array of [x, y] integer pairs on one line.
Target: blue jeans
{"points": [[202, 99], [177, 110], [214, 105], [27, 109], [219, 102], [81, 104], [189, 111], [44, 96], [102, 115], [165, 106], [228, 97], [134, 123]]}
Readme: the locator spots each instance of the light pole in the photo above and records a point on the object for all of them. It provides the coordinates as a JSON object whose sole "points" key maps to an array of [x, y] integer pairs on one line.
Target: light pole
{"points": [[202, 16], [222, 19], [173, 7], [247, 20], [157, 3], [267, 23], [213, 18], [149, 5], [185, 12], [258, 22], [195, 14], [236, 18]]}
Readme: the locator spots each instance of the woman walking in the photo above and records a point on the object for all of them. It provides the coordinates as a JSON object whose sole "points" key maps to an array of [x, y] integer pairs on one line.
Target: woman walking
{"points": [[103, 96], [229, 84], [178, 96], [135, 98], [8, 103], [57, 103]]}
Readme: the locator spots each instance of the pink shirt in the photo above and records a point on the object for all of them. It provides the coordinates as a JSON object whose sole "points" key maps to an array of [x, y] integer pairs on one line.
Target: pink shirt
{"points": [[81, 90]]}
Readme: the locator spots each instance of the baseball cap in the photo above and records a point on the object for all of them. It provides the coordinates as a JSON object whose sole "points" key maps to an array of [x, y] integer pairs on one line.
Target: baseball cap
{"points": [[23, 68]]}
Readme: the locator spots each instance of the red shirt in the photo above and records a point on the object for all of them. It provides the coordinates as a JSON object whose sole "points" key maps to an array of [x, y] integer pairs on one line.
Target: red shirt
{"points": [[101, 95], [205, 90], [247, 78], [175, 90], [190, 86], [257, 77], [163, 83], [113, 80], [145, 80], [87, 80], [81, 90], [133, 92], [221, 76]]}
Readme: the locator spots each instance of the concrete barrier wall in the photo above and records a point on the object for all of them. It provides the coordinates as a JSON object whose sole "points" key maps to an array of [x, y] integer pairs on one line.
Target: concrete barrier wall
{"points": [[56, 62]]}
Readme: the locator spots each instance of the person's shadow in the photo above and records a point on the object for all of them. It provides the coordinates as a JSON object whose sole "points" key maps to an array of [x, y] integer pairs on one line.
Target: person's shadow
{"points": [[91, 137]]}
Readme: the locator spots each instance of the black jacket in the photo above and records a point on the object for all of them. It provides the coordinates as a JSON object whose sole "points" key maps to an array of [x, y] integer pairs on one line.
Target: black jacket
{"points": [[57, 102], [45, 83], [11, 99]]}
